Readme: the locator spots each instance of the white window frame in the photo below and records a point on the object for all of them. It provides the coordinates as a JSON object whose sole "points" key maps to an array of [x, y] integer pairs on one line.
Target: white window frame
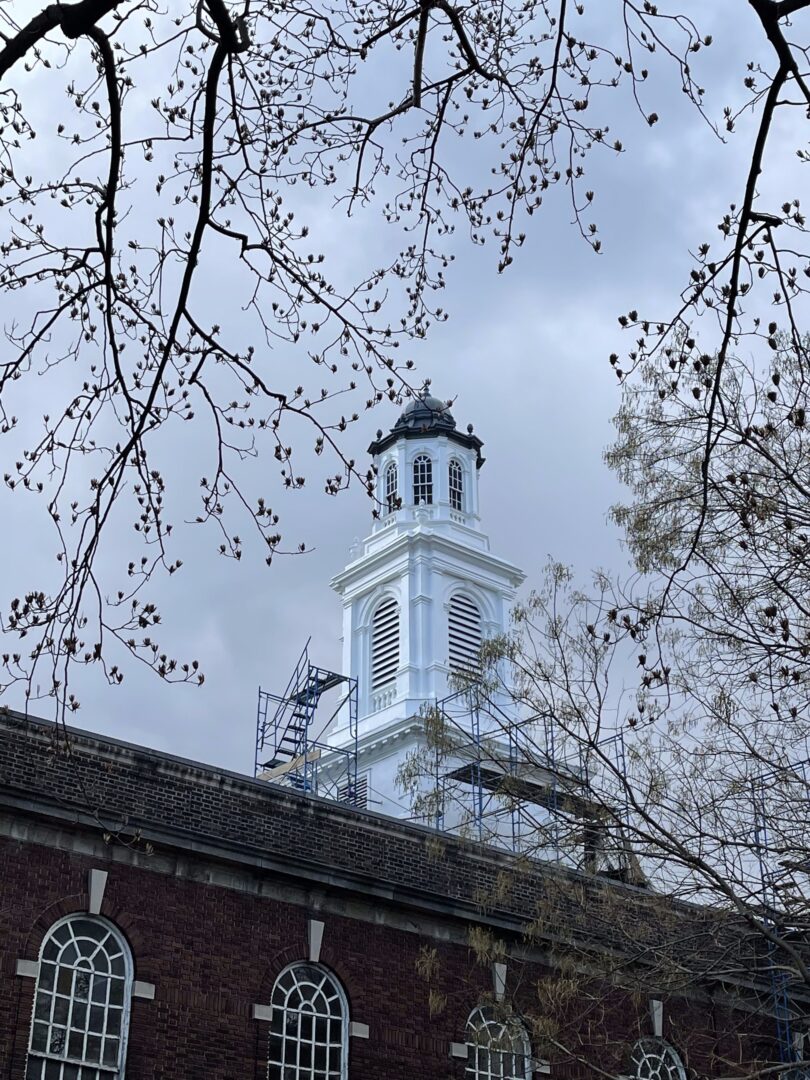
{"points": [[391, 487], [280, 1011], [670, 1065], [47, 999], [483, 1021], [455, 485], [422, 474]]}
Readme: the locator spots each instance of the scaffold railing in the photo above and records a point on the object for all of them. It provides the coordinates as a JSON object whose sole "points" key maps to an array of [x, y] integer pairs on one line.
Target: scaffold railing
{"points": [[522, 792], [291, 733]]}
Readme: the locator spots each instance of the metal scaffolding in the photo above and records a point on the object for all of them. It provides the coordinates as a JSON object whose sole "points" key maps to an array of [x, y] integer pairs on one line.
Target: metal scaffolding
{"points": [[520, 790], [516, 785], [290, 733]]}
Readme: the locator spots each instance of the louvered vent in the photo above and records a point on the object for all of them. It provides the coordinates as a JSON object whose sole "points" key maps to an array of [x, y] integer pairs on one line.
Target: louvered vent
{"points": [[360, 793], [465, 634], [385, 644]]}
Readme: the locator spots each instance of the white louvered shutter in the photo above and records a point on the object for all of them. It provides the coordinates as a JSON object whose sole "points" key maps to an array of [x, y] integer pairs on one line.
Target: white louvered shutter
{"points": [[385, 644], [464, 634]]}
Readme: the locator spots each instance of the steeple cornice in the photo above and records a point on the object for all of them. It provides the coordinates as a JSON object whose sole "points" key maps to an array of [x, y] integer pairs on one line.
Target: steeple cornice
{"points": [[471, 442], [425, 417], [389, 560]]}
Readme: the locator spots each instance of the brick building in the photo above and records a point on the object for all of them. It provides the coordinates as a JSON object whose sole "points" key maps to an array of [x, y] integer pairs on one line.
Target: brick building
{"points": [[208, 914], [163, 919]]}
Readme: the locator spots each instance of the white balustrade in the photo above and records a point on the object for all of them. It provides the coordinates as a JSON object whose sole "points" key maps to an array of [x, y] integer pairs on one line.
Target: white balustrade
{"points": [[383, 698]]}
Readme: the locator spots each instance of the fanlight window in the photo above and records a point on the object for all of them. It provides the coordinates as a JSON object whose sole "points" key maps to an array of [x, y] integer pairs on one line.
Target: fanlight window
{"points": [[391, 484], [384, 644], [464, 625], [422, 479], [309, 1026], [81, 1003], [654, 1059], [497, 1048], [456, 483]]}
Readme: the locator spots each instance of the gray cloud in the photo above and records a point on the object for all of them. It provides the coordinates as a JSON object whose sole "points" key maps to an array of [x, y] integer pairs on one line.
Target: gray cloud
{"points": [[526, 355]]}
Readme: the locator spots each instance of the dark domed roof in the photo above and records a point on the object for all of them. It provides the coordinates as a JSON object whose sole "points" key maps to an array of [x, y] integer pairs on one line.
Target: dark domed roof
{"points": [[425, 416]]}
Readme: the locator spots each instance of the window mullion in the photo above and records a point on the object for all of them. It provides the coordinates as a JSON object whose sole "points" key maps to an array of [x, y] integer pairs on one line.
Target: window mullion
{"points": [[316, 996]]}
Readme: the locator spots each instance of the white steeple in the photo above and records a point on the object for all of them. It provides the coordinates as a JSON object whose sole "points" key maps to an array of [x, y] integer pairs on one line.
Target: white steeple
{"points": [[421, 591]]}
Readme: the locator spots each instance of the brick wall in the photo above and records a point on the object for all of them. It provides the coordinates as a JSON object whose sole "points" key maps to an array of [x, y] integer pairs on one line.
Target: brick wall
{"points": [[205, 913], [212, 953]]}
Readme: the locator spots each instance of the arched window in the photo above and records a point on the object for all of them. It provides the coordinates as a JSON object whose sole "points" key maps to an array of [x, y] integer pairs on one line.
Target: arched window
{"points": [[464, 632], [654, 1059], [309, 1026], [391, 485], [497, 1048], [456, 485], [422, 479], [81, 1003], [384, 643]]}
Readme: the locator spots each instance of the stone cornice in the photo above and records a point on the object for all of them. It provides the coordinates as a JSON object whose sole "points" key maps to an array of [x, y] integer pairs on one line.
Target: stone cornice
{"points": [[227, 819], [392, 558], [396, 731]]}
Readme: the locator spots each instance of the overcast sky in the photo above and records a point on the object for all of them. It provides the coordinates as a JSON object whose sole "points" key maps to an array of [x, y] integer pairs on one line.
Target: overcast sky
{"points": [[524, 355]]}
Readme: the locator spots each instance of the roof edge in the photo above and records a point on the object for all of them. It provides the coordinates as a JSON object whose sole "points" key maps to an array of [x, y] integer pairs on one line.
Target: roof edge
{"points": [[470, 442]]}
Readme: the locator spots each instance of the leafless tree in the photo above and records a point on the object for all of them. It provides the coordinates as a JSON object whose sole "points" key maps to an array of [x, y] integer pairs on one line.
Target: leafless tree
{"points": [[657, 731], [617, 746], [192, 145]]}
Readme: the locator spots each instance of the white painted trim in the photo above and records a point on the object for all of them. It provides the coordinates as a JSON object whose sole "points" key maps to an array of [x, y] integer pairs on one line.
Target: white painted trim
{"points": [[389, 590], [358, 1030], [380, 565], [29, 969], [657, 1017], [458, 1050], [315, 940], [541, 1067], [263, 1012], [145, 990], [129, 986], [499, 980], [96, 884], [484, 599]]}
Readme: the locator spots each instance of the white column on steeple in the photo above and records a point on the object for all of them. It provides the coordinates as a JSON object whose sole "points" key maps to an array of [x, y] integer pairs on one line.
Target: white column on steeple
{"points": [[420, 627]]}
